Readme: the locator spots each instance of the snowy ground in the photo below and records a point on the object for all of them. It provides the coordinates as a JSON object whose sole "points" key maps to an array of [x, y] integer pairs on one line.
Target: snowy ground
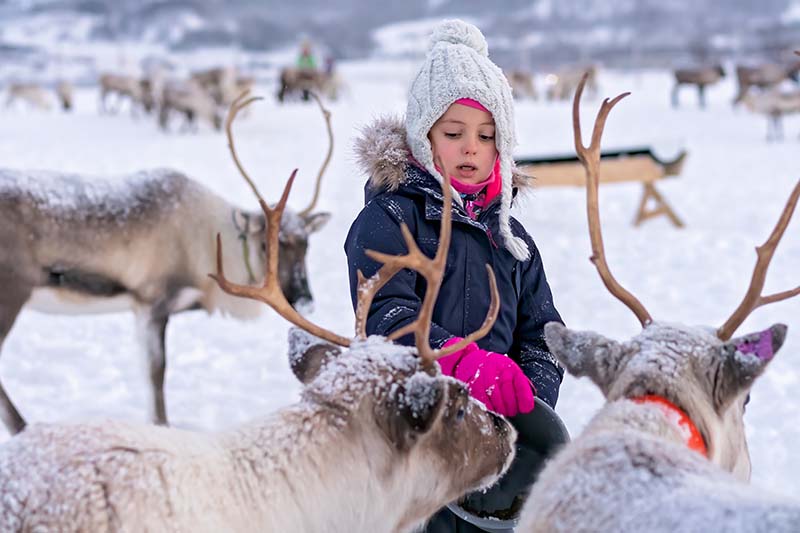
{"points": [[222, 372]]}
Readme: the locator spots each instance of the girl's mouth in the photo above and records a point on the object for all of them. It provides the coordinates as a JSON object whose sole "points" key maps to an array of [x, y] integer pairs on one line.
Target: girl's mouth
{"points": [[466, 171]]}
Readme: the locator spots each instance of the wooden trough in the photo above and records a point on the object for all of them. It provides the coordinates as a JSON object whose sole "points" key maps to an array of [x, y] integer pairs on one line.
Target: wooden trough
{"points": [[635, 164]]}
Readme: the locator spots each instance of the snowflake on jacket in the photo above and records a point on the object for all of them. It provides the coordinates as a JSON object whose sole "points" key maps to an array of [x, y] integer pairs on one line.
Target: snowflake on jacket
{"points": [[399, 191]]}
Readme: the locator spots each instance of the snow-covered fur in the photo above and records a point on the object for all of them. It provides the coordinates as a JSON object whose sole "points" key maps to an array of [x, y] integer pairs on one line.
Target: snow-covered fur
{"points": [[382, 152], [369, 447], [146, 242], [631, 469]]}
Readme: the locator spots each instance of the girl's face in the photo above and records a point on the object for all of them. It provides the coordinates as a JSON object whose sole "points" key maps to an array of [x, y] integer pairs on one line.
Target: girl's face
{"points": [[463, 143]]}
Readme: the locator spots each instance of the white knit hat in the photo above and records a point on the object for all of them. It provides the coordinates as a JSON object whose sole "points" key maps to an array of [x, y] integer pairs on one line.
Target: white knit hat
{"points": [[458, 66]]}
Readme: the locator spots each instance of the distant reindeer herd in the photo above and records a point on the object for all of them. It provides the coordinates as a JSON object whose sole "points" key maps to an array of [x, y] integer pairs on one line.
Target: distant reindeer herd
{"points": [[204, 95], [670, 437]]}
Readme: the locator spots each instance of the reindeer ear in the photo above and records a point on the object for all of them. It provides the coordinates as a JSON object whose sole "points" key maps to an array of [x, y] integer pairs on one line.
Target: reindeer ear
{"points": [[308, 354], [249, 223], [315, 221], [411, 409], [258, 223], [240, 220], [744, 359], [585, 353]]}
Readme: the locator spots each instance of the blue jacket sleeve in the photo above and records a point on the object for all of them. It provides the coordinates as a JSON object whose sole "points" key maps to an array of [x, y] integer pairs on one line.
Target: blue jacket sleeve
{"points": [[396, 303], [535, 309]]}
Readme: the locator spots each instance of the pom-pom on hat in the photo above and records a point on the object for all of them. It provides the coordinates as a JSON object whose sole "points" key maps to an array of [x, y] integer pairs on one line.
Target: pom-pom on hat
{"points": [[458, 66]]}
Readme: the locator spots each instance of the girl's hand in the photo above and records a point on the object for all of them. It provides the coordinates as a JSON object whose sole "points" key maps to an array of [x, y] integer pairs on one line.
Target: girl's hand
{"points": [[492, 378]]}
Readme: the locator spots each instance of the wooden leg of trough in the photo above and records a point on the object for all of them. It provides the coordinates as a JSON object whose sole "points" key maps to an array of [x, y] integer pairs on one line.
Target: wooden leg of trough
{"points": [[661, 208]]}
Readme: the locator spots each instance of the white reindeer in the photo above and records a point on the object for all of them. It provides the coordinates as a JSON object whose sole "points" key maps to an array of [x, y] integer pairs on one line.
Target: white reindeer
{"points": [[32, 93], [369, 447], [667, 452], [773, 104], [123, 87], [72, 244]]}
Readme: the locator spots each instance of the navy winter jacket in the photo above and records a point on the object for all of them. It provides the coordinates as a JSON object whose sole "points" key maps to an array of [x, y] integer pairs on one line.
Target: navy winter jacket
{"points": [[526, 303]]}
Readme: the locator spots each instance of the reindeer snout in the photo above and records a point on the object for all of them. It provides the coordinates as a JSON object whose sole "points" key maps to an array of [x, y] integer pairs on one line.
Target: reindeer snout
{"points": [[499, 422], [503, 427]]}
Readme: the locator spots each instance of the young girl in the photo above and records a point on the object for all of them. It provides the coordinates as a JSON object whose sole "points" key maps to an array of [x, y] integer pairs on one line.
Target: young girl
{"points": [[460, 118]]}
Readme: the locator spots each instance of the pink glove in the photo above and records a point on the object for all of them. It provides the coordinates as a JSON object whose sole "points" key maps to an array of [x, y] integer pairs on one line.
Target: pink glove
{"points": [[492, 378]]}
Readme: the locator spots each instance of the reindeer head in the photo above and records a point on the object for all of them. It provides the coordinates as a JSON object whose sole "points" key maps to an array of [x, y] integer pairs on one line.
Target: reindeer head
{"points": [[702, 371], [412, 419], [295, 227], [393, 400]]}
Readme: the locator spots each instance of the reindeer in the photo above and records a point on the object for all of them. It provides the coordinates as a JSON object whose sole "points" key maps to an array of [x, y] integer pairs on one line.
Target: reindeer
{"points": [[124, 87], [190, 100], [216, 81], [522, 85], [377, 419], [700, 77], [76, 245], [561, 84], [765, 76], [774, 105], [304, 82], [667, 452], [34, 94], [223, 84], [64, 92]]}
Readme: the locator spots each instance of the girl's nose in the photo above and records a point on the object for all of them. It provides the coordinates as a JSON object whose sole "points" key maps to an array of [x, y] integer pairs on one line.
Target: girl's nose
{"points": [[470, 146]]}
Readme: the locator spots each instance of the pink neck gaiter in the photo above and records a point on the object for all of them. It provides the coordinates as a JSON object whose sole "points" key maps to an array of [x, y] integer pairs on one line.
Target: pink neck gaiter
{"points": [[493, 183]]}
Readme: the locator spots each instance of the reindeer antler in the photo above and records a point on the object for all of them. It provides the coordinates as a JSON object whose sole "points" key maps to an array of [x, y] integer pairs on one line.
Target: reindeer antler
{"points": [[753, 298], [432, 270], [271, 293], [327, 115], [237, 105], [590, 158]]}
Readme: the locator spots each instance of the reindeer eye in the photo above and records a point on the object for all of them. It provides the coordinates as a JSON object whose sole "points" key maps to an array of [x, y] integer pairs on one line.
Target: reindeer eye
{"points": [[263, 246], [460, 414]]}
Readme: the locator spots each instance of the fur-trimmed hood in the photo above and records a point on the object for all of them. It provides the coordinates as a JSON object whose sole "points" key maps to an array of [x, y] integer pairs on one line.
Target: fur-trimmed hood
{"points": [[382, 153]]}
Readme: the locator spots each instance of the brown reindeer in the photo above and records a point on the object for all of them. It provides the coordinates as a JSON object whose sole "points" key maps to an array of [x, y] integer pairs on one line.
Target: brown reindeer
{"points": [[699, 77], [75, 244], [764, 76], [668, 451], [298, 82], [376, 419], [217, 82], [189, 99]]}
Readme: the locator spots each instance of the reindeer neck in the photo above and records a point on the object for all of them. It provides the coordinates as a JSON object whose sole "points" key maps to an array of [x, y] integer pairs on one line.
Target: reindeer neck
{"points": [[676, 416], [655, 416], [329, 467]]}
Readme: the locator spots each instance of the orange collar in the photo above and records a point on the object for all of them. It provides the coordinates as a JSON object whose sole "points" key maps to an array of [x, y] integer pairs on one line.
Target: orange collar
{"points": [[694, 440]]}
